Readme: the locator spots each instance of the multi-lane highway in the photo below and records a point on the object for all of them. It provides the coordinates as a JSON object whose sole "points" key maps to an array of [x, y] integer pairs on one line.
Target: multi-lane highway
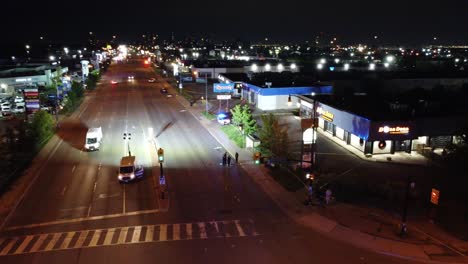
{"points": [[76, 211]]}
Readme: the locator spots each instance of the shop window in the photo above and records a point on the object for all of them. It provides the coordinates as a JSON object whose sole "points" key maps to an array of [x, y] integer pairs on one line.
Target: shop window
{"points": [[361, 141], [382, 144]]}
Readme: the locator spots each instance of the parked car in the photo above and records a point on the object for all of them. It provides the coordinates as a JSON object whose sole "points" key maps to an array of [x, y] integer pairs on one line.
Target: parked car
{"points": [[19, 99], [151, 80], [163, 90], [224, 118], [19, 109]]}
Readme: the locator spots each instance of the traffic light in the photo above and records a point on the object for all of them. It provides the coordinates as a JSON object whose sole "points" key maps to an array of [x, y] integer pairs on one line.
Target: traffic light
{"points": [[161, 155], [257, 157]]}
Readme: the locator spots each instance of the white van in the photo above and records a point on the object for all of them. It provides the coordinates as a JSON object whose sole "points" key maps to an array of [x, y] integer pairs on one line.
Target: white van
{"points": [[93, 138], [128, 170]]}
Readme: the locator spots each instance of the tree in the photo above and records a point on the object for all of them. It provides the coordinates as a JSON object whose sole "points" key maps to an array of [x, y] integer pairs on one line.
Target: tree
{"points": [[273, 137], [248, 122], [242, 116], [42, 127], [77, 89], [237, 115]]}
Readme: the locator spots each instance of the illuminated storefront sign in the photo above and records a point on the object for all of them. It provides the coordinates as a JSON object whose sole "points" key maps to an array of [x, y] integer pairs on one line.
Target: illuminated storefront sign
{"points": [[23, 80], [325, 114], [394, 130]]}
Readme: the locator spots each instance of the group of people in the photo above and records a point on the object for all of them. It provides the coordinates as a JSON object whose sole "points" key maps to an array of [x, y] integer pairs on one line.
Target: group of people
{"points": [[323, 197], [227, 159]]}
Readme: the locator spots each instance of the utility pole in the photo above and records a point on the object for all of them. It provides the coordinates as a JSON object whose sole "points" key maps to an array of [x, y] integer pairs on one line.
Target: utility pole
{"points": [[206, 93]]}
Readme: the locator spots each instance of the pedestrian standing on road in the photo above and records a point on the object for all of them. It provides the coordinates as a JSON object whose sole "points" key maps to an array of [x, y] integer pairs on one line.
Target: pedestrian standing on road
{"points": [[328, 195], [229, 160], [224, 159], [237, 157]]}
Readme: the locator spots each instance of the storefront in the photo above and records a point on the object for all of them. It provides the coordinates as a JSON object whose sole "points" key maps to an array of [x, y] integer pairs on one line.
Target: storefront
{"points": [[370, 137]]}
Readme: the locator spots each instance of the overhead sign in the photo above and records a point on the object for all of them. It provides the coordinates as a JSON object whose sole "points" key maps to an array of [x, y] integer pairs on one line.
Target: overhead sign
{"points": [[223, 87], [394, 130], [223, 96]]}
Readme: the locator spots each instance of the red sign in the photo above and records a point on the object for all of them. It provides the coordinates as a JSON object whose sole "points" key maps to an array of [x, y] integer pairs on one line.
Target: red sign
{"points": [[435, 196]]}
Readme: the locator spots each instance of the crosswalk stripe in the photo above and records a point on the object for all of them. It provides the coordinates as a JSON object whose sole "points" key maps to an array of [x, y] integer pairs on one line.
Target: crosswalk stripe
{"points": [[176, 232], [24, 244], [94, 240], [123, 235], [136, 235], [162, 232], [38, 243], [239, 228], [226, 233], [109, 236], [81, 239], [8, 246], [52, 242], [203, 235], [180, 231], [189, 230], [67, 240], [149, 234]]}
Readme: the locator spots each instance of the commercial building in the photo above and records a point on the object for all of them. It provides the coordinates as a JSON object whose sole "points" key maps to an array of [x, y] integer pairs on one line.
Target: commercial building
{"points": [[374, 131], [16, 79], [273, 93]]}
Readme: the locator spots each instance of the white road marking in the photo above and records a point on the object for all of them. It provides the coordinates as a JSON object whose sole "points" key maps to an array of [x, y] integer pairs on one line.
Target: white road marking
{"points": [[81, 239], [109, 236], [67, 240], [162, 232], [123, 235], [189, 230], [82, 219], [38, 243], [123, 200], [52, 242], [136, 235], [8, 247], [23, 245], [201, 226], [149, 234], [95, 239], [239, 228], [73, 169], [175, 232]]}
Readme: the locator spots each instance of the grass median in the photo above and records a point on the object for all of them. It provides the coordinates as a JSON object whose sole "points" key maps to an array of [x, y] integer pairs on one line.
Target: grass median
{"points": [[234, 134]]}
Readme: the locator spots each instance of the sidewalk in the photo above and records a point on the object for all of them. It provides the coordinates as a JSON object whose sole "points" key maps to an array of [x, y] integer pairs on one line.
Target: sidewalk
{"points": [[368, 228]]}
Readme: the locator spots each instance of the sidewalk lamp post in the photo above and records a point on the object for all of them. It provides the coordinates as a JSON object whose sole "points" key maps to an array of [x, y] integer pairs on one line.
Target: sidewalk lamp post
{"points": [[409, 185]]}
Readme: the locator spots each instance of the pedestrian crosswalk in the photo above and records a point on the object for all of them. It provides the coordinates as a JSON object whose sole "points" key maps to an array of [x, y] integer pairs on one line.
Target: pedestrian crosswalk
{"points": [[126, 235]]}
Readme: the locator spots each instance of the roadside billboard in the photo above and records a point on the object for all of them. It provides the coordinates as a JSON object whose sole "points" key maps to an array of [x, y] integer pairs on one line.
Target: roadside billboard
{"points": [[223, 87]]}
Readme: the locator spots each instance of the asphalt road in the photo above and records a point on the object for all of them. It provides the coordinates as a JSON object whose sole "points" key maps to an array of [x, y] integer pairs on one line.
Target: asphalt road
{"points": [[77, 212]]}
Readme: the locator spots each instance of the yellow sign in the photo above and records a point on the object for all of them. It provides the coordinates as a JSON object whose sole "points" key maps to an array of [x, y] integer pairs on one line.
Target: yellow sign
{"points": [[394, 130], [435, 196], [325, 114]]}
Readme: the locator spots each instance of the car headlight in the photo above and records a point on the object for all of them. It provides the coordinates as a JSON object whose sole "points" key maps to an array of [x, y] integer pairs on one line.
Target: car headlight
{"points": [[120, 177], [132, 176]]}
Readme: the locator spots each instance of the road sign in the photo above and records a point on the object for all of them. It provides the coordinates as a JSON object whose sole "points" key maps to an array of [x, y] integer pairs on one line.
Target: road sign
{"points": [[223, 96], [223, 87], [162, 180], [435, 196]]}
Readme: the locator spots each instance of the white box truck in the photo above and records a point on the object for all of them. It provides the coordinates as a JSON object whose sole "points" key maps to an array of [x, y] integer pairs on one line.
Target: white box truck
{"points": [[93, 138]]}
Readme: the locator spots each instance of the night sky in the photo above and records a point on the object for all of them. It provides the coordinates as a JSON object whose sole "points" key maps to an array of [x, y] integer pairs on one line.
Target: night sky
{"points": [[394, 22]]}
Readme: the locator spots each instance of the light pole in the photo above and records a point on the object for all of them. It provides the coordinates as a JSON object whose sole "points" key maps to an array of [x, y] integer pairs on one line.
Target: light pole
{"points": [[206, 93], [127, 137]]}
